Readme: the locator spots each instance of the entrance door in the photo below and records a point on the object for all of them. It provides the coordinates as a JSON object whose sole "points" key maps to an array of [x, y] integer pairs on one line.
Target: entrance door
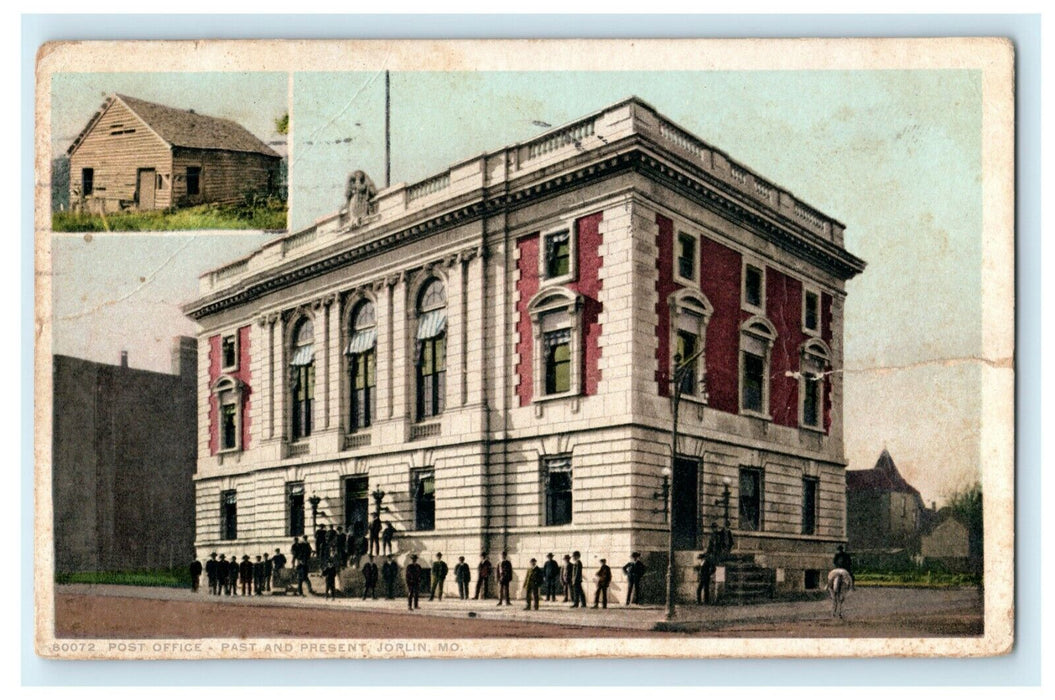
{"points": [[684, 493], [356, 504], [145, 187]]}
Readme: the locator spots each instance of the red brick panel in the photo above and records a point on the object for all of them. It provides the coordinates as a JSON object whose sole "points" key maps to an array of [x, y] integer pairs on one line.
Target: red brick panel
{"points": [[665, 286], [214, 410], [720, 283], [527, 286], [784, 309]]}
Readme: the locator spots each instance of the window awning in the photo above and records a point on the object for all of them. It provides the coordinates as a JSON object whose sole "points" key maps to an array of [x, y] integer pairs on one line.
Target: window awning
{"points": [[304, 355], [362, 341], [432, 323]]}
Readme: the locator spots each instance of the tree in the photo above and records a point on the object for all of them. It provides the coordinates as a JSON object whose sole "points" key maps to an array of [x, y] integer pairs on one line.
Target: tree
{"points": [[282, 124], [966, 504]]}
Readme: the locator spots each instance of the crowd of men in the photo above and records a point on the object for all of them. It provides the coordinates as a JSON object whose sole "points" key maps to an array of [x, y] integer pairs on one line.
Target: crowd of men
{"points": [[335, 550]]}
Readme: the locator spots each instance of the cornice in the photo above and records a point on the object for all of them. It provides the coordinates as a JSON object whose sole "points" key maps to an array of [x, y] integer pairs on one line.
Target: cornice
{"points": [[697, 186]]}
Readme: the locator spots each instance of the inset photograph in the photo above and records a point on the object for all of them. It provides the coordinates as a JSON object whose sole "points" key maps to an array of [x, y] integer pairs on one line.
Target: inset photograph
{"points": [[163, 152]]}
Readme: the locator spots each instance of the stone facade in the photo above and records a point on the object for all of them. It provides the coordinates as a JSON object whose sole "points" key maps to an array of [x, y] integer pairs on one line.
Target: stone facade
{"points": [[560, 295]]}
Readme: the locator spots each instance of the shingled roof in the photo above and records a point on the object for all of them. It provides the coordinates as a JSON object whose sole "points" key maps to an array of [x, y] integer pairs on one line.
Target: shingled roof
{"points": [[188, 129], [884, 476]]}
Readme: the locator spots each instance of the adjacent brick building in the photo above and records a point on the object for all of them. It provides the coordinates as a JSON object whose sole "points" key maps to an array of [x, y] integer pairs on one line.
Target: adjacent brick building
{"points": [[492, 348], [123, 461]]}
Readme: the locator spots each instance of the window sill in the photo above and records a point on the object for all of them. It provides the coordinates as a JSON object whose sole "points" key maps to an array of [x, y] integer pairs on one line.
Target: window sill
{"points": [[686, 281], [756, 414], [813, 428], [228, 369], [751, 309], [421, 431], [555, 281], [540, 401], [811, 332]]}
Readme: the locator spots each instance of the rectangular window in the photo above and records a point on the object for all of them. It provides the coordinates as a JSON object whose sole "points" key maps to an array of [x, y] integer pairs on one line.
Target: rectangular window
{"points": [[229, 515], [811, 312], [423, 486], [228, 422], [432, 376], [558, 361], [809, 506], [753, 286], [753, 383], [229, 351], [687, 256], [687, 346], [557, 475], [558, 254], [303, 398], [87, 181], [295, 508], [811, 400], [193, 180], [750, 499], [364, 379]]}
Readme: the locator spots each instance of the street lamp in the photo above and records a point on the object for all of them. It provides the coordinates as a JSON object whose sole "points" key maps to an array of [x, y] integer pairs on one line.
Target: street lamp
{"points": [[681, 371], [723, 500], [378, 496], [314, 501]]}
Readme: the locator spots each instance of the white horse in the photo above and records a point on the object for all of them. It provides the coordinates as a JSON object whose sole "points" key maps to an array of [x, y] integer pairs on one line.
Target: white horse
{"points": [[839, 582]]}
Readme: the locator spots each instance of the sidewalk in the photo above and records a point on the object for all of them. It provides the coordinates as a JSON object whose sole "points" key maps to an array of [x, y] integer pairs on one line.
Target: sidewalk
{"points": [[872, 602]]}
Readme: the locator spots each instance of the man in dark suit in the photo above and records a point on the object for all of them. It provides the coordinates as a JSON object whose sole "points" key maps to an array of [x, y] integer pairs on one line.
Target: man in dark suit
{"points": [[532, 584], [604, 580], [565, 577], [550, 577], [259, 575], [389, 571], [223, 583], [195, 575], [245, 573], [386, 537], [703, 580], [211, 573], [342, 547], [355, 542], [330, 574], [462, 574], [375, 534], [505, 576], [483, 575], [578, 595], [233, 573], [842, 560], [320, 543], [413, 576], [439, 576], [635, 571], [268, 570], [370, 578]]}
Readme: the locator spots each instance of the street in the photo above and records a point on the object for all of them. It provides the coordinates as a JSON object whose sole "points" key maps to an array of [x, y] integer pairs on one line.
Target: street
{"points": [[83, 611]]}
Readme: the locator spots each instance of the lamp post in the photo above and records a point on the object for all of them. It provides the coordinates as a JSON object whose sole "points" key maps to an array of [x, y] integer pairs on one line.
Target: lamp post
{"points": [[723, 500], [664, 492], [314, 501], [681, 371], [378, 496]]}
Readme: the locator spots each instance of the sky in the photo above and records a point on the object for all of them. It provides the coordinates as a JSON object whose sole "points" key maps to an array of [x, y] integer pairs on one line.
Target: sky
{"points": [[894, 155]]}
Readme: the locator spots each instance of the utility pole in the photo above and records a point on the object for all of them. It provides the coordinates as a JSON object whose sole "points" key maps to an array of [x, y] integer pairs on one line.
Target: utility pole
{"points": [[388, 137]]}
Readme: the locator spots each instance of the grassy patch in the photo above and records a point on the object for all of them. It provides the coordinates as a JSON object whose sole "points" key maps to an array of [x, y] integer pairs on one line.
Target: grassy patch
{"points": [[172, 578], [255, 214], [916, 579]]}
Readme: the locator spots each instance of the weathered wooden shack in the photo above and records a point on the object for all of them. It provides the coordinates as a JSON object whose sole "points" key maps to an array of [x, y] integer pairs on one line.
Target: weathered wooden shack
{"points": [[143, 155]]}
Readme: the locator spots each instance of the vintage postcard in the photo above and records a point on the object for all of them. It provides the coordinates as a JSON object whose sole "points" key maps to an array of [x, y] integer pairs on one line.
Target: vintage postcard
{"points": [[388, 349]]}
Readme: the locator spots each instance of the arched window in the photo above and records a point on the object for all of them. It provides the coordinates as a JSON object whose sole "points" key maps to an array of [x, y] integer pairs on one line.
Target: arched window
{"points": [[555, 320], [431, 349], [227, 392], [814, 360], [362, 365], [302, 377], [756, 341], [690, 313]]}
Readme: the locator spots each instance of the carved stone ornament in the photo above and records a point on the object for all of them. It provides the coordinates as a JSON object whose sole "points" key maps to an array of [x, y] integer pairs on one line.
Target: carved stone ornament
{"points": [[359, 194]]}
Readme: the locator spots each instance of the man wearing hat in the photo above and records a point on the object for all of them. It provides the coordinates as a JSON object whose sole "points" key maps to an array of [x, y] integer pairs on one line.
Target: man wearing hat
{"points": [[462, 574], [413, 576], [703, 585], [551, 576], [223, 581], [604, 580], [195, 575], [232, 574], [389, 571], [258, 575], [532, 583], [439, 576], [505, 575], [370, 578], [565, 577], [635, 571], [483, 574], [245, 573], [578, 595], [210, 573]]}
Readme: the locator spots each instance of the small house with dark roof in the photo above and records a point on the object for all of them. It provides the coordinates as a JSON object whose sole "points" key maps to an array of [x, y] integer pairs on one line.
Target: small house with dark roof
{"points": [[883, 511], [143, 155]]}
